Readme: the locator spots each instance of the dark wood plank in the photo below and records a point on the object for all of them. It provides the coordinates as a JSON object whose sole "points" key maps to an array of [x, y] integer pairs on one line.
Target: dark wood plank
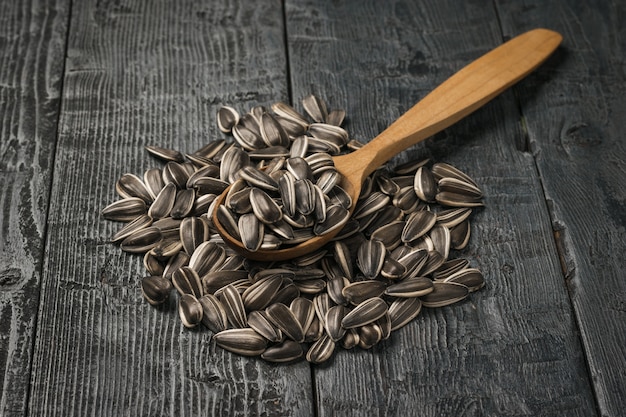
{"points": [[140, 73], [575, 112], [32, 45], [512, 348]]}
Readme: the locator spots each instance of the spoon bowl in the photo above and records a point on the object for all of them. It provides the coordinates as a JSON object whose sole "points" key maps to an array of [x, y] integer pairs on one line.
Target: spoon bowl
{"points": [[463, 93]]}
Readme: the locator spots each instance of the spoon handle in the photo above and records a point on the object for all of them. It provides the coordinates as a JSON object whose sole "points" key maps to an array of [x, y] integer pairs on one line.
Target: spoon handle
{"points": [[464, 92]]}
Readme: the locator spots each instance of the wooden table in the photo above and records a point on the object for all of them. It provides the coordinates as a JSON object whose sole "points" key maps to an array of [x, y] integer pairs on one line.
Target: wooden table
{"points": [[85, 85]]}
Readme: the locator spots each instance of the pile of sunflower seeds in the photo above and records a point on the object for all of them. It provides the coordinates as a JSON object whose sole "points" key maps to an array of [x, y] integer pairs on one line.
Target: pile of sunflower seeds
{"points": [[390, 259]]}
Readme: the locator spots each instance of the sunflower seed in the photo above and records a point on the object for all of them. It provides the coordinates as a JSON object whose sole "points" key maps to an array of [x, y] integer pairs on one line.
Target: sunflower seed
{"points": [[288, 351], [333, 322], [211, 149], [386, 184], [174, 263], [286, 294], [187, 281], [233, 160], [258, 178], [216, 280], [330, 133], [351, 339], [304, 311], [417, 225], [227, 118], [389, 234], [403, 310], [175, 173], [322, 303], [246, 342], [247, 138], [315, 107], [357, 292], [447, 198], [164, 201], [393, 269], [213, 316], [410, 287], [153, 265], [414, 261], [153, 180], [455, 185], [167, 247], [444, 170], [335, 289], [165, 154], [125, 210], [406, 200], [130, 185], [156, 289], [209, 185], [371, 257], [142, 240], [189, 310], [321, 350], [371, 204], [369, 335], [229, 223], [259, 322], [449, 267], [168, 226], [342, 256], [138, 223], [284, 319], [207, 257], [193, 232], [460, 235], [299, 147], [183, 204], [233, 305], [336, 218], [264, 207], [388, 214], [424, 185], [472, 278], [440, 235], [252, 231], [261, 293], [453, 217], [384, 323], [339, 196], [434, 261], [210, 170], [272, 133], [336, 117], [410, 167], [367, 312], [445, 293], [314, 332]]}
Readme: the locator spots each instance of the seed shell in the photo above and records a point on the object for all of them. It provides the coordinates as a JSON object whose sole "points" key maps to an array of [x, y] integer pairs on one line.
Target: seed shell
{"points": [[246, 342]]}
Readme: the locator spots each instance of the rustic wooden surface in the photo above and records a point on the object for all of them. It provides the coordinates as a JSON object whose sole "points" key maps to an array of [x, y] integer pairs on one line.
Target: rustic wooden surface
{"points": [[32, 44], [85, 85]]}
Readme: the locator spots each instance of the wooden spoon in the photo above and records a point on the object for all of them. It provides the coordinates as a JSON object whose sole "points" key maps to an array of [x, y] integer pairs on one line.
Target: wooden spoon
{"points": [[460, 95]]}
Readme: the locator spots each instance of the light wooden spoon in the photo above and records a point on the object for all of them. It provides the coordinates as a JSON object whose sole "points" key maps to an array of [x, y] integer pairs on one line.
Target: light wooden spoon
{"points": [[460, 95]]}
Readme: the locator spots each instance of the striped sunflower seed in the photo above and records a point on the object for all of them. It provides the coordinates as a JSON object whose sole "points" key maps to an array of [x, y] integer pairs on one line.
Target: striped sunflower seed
{"points": [[246, 342], [189, 310]]}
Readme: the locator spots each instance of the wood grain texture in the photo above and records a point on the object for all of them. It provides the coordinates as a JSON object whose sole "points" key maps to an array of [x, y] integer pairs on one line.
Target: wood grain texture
{"points": [[146, 73], [575, 114], [512, 349], [32, 43]]}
